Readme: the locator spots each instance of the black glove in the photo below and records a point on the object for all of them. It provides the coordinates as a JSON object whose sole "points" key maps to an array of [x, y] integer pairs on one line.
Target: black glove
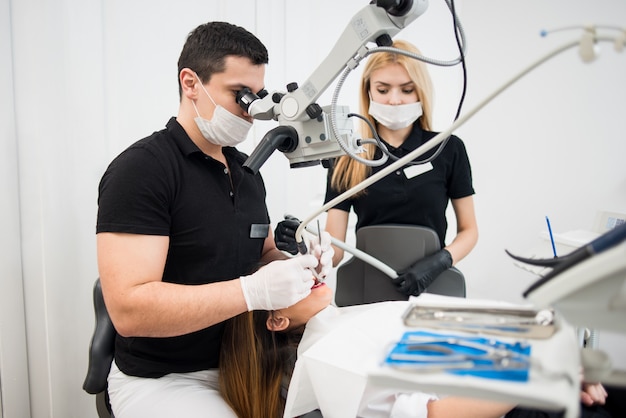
{"points": [[285, 235], [414, 280]]}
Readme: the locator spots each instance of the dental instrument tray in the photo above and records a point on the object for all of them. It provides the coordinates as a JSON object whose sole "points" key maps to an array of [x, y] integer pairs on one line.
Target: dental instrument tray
{"points": [[485, 357], [506, 321]]}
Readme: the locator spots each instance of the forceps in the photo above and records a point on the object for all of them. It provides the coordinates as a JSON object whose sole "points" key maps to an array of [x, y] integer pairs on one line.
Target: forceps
{"points": [[460, 354], [443, 353]]}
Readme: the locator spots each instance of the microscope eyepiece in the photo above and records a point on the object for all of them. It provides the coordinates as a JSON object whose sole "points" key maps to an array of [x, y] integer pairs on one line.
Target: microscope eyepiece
{"points": [[245, 97], [395, 7]]}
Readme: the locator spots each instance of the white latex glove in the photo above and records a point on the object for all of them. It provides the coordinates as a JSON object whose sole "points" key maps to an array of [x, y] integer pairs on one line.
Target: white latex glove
{"points": [[411, 405], [279, 284], [324, 252]]}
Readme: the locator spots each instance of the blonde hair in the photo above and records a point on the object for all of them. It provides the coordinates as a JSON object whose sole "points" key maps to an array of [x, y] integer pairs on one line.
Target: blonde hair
{"points": [[348, 172]]}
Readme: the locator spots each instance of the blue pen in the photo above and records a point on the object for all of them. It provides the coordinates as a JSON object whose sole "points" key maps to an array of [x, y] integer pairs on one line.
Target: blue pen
{"points": [[551, 236]]}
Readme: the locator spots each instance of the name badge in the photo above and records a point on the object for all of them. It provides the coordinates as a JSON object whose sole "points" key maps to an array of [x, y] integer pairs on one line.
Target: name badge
{"points": [[259, 230], [415, 170]]}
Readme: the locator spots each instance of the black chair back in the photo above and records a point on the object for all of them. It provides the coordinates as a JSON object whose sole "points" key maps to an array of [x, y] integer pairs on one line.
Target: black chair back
{"points": [[398, 246], [101, 352]]}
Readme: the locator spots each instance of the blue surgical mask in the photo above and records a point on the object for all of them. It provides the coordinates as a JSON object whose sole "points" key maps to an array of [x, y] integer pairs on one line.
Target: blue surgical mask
{"points": [[225, 128]]}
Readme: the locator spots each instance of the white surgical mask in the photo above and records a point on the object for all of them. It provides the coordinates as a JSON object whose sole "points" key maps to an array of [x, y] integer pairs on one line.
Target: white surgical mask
{"points": [[224, 128], [395, 117]]}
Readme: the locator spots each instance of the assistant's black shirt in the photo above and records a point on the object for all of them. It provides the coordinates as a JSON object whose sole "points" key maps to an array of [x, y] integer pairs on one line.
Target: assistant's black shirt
{"points": [[165, 185], [407, 198]]}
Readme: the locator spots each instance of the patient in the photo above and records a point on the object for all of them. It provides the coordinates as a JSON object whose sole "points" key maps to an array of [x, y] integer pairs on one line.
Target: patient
{"points": [[259, 352]]}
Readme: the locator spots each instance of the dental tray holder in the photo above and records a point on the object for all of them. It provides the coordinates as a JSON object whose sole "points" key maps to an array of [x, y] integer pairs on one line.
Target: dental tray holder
{"points": [[503, 321]]}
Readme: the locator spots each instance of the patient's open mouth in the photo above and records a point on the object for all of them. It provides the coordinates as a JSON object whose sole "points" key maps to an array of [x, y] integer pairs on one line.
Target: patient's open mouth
{"points": [[317, 284]]}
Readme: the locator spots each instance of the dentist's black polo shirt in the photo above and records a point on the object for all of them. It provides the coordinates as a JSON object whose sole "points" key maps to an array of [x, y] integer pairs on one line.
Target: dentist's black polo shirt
{"points": [[164, 185]]}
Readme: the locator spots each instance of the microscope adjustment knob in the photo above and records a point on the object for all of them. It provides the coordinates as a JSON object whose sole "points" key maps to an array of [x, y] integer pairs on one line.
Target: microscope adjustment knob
{"points": [[291, 87], [314, 110], [384, 40]]}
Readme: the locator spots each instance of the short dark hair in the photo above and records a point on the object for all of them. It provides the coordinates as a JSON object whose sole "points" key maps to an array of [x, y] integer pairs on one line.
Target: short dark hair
{"points": [[209, 44]]}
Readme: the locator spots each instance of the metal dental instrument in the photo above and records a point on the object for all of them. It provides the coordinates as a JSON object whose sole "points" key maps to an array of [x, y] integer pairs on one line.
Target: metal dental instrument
{"points": [[429, 354], [466, 365], [515, 322], [318, 277], [443, 354], [494, 317], [319, 231], [492, 347]]}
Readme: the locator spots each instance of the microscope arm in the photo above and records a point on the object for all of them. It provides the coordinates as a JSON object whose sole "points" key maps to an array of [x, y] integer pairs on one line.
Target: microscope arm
{"points": [[368, 25], [314, 140]]}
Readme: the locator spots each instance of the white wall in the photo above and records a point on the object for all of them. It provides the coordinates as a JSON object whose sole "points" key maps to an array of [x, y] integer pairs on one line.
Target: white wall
{"points": [[14, 392], [85, 79], [553, 144]]}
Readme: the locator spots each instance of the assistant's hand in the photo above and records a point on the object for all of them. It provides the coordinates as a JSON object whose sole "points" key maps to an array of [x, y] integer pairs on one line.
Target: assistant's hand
{"points": [[285, 235], [414, 280], [279, 284], [324, 252], [592, 394]]}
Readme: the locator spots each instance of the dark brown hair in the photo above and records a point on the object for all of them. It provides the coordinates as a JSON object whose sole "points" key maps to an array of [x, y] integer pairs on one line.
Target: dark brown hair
{"points": [[255, 365], [208, 45]]}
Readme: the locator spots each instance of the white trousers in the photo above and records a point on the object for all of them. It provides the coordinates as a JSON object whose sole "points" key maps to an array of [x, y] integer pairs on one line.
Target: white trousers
{"points": [[189, 395]]}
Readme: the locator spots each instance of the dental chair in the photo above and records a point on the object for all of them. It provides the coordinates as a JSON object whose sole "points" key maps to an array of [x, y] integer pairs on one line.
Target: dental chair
{"points": [[101, 352], [398, 246]]}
